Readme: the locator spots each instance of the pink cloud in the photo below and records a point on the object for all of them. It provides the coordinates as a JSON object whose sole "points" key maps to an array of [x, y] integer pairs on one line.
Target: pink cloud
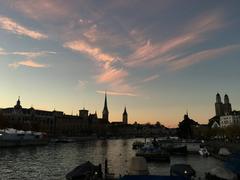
{"points": [[92, 34], [201, 56], [29, 54], [94, 52], [13, 27], [32, 54], [111, 74], [2, 52], [150, 54], [206, 22], [28, 63], [115, 78], [117, 93], [151, 78], [42, 10]]}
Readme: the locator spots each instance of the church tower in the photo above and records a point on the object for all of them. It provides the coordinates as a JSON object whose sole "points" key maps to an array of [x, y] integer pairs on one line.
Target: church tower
{"points": [[227, 106], [18, 104], [125, 116], [219, 106], [105, 112]]}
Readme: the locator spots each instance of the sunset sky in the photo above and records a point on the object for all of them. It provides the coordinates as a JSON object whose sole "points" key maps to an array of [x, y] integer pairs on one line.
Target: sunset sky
{"points": [[157, 57]]}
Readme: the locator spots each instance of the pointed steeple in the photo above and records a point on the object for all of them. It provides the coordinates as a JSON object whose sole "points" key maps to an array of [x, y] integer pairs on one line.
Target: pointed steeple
{"points": [[125, 116], [18, 104], [105, 103], [105, 112], [125, 110]]}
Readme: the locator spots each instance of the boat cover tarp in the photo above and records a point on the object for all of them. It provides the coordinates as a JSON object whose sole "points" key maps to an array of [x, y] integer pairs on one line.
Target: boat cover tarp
{"points": [[181, 168], [128, 177], [82, 170], [224, 152]]}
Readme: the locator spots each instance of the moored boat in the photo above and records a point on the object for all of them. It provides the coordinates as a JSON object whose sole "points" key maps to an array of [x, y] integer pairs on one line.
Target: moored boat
{"points": [[183, 170], [13, 138], [175, 149], [151, 153], [85, 171], [137, 145]]}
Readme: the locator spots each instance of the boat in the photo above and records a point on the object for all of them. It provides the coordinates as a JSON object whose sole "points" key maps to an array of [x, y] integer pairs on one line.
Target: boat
{"points": [[85, 171], [13, 138], [151, 153], [138, 170], [183, 170], [204, 152], [175, 149], [224, 152], [64, 140], [137, 145]]}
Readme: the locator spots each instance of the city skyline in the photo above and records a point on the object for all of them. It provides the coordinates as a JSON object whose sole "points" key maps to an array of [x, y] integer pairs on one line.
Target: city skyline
{"points": [[158, 58]]}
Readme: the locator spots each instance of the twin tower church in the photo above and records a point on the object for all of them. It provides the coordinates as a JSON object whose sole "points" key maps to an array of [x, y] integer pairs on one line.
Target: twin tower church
{"points": [[222, 109]]}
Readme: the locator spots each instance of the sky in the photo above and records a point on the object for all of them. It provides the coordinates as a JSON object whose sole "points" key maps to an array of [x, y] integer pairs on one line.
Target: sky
{"points": [[159, 58]]}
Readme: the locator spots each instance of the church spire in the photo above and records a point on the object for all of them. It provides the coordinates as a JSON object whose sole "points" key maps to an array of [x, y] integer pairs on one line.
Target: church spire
{"points": [[18, 104], [125, 116], [125, 110], [105, 112], [105, 103]]}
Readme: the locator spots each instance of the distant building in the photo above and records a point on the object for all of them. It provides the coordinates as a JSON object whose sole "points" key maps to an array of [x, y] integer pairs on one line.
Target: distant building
{"points": [[229, 120], [227, 107], [55, 123], [83, 113], [125, 116], [222, 111], [220, 108], [185, 127]]}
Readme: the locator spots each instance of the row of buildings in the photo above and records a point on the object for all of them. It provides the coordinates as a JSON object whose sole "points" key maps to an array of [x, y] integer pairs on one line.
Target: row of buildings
{"points": [[224, 115], [57, 123]]}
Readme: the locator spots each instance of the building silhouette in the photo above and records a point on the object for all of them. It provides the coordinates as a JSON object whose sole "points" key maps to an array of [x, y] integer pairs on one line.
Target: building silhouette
{"points": [[185, 127], [220, 108], [224, 115], [125, 116], [227, 107], [105, 112], [57, 123]]}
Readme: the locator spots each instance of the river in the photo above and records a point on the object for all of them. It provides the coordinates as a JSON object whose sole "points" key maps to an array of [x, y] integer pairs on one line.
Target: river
{"points": [[54, 161]]}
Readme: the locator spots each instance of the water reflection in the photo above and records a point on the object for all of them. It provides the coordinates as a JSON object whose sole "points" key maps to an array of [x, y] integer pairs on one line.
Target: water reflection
{"points": [[55, 160]]}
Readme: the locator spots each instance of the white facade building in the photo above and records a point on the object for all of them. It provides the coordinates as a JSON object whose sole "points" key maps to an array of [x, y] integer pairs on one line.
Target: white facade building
{"points": [[229, 120]]}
